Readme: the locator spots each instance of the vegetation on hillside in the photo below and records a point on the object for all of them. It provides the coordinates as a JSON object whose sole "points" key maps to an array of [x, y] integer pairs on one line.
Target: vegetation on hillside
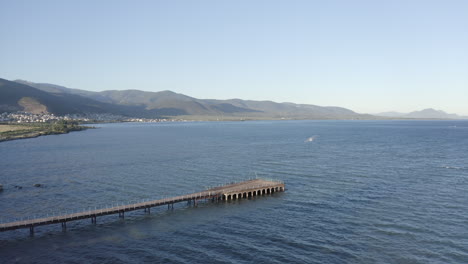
{"points": [[167, 104]]}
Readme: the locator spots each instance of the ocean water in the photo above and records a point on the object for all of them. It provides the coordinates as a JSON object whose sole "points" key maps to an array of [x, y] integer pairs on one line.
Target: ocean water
{"points": [[357, 192]]}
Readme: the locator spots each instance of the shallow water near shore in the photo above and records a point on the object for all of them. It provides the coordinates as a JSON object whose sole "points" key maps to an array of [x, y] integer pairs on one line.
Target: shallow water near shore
{"points": [[357, 192]]}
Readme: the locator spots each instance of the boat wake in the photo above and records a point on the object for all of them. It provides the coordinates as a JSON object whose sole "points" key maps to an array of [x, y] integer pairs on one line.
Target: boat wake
{"points": [[453, 168]]}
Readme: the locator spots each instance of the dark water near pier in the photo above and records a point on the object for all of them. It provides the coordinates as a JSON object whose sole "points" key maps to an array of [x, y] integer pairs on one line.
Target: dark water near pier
{"points": [[360, 192]]}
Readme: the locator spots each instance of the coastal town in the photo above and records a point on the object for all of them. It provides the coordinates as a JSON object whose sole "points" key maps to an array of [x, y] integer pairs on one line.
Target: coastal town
{"points": [[25, 117], [19, 125]]}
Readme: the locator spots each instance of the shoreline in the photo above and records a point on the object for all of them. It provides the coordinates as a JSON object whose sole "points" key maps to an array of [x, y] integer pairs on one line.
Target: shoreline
{"points": [[35, 130]]}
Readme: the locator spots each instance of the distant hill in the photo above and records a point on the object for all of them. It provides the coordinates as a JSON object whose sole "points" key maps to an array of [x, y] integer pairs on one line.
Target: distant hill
{"points": [[57, 89], [138, 103], [428, 113], [170, 103], [432, 113], [156, 104], [19, 97]]}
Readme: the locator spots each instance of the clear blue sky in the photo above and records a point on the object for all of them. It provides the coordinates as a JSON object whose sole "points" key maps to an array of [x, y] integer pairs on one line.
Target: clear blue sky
{"points": [[369, 56]]}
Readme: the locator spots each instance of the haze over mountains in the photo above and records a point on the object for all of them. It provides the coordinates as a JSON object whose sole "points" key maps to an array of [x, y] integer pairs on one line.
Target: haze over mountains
{"points": [[425, 113], [134, 103], [20, 95]]}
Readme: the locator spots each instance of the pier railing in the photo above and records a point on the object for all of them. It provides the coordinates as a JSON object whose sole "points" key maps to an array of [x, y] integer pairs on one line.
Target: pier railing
{"points": [[214, 193]]}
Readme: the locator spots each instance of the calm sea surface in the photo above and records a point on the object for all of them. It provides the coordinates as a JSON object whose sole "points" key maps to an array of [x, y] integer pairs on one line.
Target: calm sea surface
{"points": [[360, 192]]}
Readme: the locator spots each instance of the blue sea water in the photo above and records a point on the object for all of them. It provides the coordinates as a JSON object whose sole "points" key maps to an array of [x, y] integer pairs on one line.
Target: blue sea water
{"points": [[358, 192]]}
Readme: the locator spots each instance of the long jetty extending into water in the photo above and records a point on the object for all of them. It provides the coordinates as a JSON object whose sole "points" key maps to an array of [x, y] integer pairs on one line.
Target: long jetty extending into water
{"points": [[245, 189]]}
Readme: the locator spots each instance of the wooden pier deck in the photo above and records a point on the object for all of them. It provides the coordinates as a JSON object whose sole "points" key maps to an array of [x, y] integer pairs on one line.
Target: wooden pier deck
{"points": [[233, 191]]}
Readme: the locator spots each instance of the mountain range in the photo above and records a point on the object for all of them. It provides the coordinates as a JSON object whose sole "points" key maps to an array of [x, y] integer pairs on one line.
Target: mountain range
{"points": [[428, 113], [20, 95]]}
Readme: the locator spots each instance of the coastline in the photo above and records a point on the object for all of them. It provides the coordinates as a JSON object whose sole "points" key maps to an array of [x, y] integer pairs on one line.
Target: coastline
{"points": [[37, 130]]}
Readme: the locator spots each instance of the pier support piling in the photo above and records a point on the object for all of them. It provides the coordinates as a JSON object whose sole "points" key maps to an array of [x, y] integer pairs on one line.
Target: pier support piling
{"points": [[230, 192]]}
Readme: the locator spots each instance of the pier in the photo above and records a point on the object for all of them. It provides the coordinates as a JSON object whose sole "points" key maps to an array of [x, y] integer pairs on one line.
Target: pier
{"points": [[234, 191]]}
